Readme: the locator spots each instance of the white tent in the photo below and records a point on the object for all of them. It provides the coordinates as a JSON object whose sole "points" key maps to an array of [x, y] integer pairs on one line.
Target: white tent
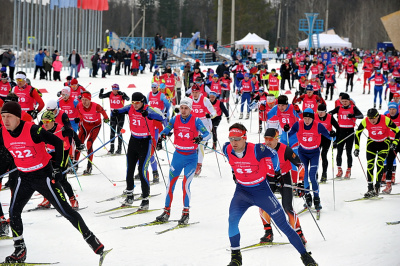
{"points": [[327, 40], [252, 39]]}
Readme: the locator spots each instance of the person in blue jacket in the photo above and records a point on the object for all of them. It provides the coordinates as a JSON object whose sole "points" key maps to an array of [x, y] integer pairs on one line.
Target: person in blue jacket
{"points": [[39, 64]]}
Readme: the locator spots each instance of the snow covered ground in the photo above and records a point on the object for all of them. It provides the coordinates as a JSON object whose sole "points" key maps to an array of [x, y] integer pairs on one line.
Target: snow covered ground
{"points": [[356, 232]]}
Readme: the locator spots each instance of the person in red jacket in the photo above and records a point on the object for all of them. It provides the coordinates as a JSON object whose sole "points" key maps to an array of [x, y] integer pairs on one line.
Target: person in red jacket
{"points": [[27, 96], [89, 125], [5, 86], [135, 57]]}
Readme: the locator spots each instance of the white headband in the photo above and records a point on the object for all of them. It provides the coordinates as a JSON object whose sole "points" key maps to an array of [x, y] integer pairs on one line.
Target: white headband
{"points": [[20, 76]]}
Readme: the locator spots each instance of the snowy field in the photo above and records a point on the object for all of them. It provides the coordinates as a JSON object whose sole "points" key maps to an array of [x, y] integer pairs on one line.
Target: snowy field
{"points": [[356, 232]]}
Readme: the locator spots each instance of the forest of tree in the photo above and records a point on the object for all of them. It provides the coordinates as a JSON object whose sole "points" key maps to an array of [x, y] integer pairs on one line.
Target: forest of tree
{"points": [[358, 20]]}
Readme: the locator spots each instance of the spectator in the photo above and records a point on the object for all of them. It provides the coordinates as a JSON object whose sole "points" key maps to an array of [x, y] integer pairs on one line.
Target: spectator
{"points": [[135, 58], [55, 54], [11, 65], [95, 62], [118, 60], [197, 43], [127, 62], [164, 57], [103, 65], [74, 59], [285, 70], [157, 42], [6, 58], [39, 64], [186, 72], [48, 65], [222, 68], [143, 59], [161, 42], [110, 57], [152, 58], [208, 43], [57, 66]]}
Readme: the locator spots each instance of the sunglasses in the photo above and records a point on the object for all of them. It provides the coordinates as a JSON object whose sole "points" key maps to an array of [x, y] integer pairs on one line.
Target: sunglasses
{"points": [[235, 138], [269, 138], [46, 121], [154, 87], [136, 102], [20, 79]]}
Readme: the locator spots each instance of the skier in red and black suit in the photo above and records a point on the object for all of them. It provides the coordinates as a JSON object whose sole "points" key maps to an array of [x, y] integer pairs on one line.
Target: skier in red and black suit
{"points": [[328, 121], [27, 96], [287, 157], [76, 90], [5, 86], [117, 100], [310, 100], [89, 125], [350, 71], [347, 114], [36, 174]]}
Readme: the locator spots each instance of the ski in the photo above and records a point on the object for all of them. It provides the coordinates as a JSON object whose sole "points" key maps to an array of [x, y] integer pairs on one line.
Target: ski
{"points": [[359, 199], [147, 224], [109, 155], [38, 209], [318, 214], [103, 255], [134, 213], [393, 223], [78, 209], [394, 194], [302, 211], [344, 179], [176, 227], [260, 245], [116, 197], [27, 263], [5, 237], [123, 207]]}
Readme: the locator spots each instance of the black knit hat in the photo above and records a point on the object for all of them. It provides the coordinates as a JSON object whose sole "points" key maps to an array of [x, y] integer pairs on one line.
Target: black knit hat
{"points": [[138, 97], [345, 96], [322, 107], [271, 132], [12, 108]]}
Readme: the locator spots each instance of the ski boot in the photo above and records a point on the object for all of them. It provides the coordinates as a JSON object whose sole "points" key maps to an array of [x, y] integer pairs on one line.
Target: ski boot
{"points": [[198, 169], [4, 226], [348, 173], [388, 188], [45, 204], [111, 151], [74, 203], [374, 104], [159, 145], [185, 217], [119, 150], [129, 198], [94, 243], [340, 172], [156, 178], [247, 115], [317, 203], [308, 200], [236, 258], [88, 170], [300, 233], [308, 260], [324, 177], [144, 205], [369, 91], [19, 254], [370, 193], [241, 116], [268, 236], [380, 107], [164, 216]]}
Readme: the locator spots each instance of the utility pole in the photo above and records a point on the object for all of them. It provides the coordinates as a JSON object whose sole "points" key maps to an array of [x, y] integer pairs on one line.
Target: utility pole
{"points": [[219, 22], [133, 18], [327, 14], [279, 24], [287, 23], [144, 22], [233, 24]]}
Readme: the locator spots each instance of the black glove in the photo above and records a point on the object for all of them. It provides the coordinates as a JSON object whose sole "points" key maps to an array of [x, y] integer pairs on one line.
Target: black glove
{"points": [[59, 94], [356, 152], [300, 192], [351, 115], [197, 139], [115, 112], [163, 136], [57, 174], [286, 127], [208, 116], [170, 134], [239, 93], [393, 146], [76, 120], [234, 178], [332, 134], [144, 113], [278, 179], [101, 91], [334, 145], [81, 147], [297, 94], [34, 114], [252, 94]]}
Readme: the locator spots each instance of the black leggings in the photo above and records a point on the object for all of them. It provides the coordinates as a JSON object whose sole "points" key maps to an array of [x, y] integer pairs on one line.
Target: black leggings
{"points": [[215, 123], [40, 181], [324, 147], [330, 86], [389, 163], [350, 81], [139, 150], [117, 123], [343, 133]]}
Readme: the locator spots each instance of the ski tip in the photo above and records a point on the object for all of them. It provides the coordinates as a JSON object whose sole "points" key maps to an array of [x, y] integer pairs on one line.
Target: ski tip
{"points": [[103, 255]]}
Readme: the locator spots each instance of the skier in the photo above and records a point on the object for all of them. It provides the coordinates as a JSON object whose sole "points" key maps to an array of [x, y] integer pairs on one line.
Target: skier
{"points": [[347, 113], [350, 71], [141, 145], [249, 173], [273, 82], [329, 84], [310, 100], [286, 157], [246, 90], [65, 133], [36, 174], [117, 101], [328, 121], [203, 109], [219, 109], [380, 80], [68, 104], [265, 103], [76, 89], [378, 144], [393, 88], [226, 90], [393, 114], [89, 125], [189, 131], [367, 68], [5, 86], [309, 134]]}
